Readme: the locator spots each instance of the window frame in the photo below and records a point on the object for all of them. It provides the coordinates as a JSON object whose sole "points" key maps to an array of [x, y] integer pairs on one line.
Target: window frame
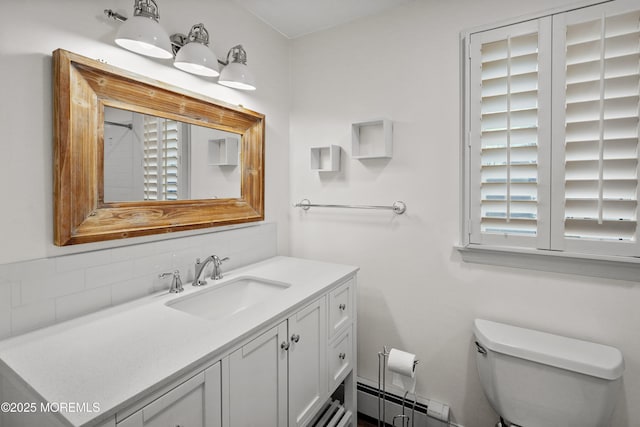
{"points": [[566, 260]]}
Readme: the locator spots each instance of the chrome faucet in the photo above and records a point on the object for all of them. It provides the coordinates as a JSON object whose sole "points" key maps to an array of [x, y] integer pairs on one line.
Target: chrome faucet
{"points": [[200, 266]]}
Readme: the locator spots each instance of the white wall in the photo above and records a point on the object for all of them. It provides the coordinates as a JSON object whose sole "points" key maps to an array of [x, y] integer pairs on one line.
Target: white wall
{"points": [[415, 293], [31, 30]]}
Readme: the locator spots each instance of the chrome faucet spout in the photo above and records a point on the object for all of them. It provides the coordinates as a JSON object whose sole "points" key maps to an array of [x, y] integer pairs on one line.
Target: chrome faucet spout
{"points": [[200, 266]]}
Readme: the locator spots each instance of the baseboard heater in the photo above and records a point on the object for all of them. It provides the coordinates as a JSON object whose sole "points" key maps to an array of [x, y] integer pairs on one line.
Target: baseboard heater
{"points": [[431, 414], [333, 414]]}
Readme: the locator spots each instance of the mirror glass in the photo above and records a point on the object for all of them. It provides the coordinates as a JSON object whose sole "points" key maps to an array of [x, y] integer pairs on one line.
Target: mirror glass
{"points": [[153, 158]]}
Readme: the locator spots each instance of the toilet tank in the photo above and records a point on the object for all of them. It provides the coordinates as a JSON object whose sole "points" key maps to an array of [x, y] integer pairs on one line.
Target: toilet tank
{"points": [[537, 379]]}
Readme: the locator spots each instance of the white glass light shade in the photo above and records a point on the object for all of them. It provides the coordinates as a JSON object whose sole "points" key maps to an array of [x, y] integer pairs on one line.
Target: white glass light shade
{"points": [[144, 36], [237, 76], [197, 58]]}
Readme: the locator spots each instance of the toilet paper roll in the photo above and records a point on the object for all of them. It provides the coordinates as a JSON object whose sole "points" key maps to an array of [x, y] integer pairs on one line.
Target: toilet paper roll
{"points": [[402, 365]]}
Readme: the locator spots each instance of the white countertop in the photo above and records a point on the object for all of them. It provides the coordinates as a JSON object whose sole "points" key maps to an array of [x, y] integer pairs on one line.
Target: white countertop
{"points": [[117, 355]]}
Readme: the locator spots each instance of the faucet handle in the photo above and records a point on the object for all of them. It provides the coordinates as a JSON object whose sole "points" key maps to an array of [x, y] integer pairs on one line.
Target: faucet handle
{"points": [[163, 275], [217, 263], [196, 266], [176, 282]]}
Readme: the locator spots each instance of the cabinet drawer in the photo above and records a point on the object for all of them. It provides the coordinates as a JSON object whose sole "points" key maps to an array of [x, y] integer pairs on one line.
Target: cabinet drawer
{"points": [[196, 402], [340, 308], [340, 357]]}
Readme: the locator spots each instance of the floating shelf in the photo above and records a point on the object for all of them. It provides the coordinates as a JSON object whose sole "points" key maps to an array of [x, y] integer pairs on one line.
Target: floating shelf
{"points": [[325, 159], [223, 151], [372, 139]]}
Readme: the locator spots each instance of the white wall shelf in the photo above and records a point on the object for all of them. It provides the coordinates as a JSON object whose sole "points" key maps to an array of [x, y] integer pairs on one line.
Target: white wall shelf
{"points": [[223, 151], [325, 159], [372, 139]]}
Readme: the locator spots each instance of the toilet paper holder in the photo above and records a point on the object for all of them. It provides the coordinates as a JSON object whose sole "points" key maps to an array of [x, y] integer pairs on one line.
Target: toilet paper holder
{"points": [[382, 394]]}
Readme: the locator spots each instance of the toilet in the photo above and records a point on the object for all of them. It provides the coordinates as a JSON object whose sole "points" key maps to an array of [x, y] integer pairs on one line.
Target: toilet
{"points": [[537, 379]]}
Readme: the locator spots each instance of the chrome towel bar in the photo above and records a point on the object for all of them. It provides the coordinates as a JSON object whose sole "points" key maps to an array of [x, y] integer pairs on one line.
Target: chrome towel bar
{"points": [[398, 207], [124, 125]]}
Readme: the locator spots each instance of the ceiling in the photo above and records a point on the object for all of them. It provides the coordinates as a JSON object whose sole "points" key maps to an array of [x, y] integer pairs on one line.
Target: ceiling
{"points": [[295, 18]]}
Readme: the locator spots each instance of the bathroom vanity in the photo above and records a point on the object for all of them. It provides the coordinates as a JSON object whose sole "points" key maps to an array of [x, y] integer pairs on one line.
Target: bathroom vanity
{"points": [[270, 344]]}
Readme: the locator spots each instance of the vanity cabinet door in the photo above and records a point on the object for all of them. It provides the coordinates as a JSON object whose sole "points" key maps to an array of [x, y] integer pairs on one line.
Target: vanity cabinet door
{"points": [[307, 362], [194, 403], [255, 381]]}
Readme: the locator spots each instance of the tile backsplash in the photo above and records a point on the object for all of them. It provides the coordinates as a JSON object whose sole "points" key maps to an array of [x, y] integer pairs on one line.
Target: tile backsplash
{"points": [[38, 293]]}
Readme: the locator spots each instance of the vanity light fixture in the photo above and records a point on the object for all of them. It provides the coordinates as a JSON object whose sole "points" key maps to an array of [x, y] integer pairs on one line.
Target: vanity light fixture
{"points": [[143, 33], [236, 74], [195, 56]]}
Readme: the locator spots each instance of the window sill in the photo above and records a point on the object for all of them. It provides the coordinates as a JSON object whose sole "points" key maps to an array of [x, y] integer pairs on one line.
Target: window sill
{"points": [[610, 267]]}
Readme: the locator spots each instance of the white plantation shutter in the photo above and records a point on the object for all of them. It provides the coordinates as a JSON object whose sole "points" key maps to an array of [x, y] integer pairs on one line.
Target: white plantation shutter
{"points": [[596, 130], [161, 158], [509, 127]]}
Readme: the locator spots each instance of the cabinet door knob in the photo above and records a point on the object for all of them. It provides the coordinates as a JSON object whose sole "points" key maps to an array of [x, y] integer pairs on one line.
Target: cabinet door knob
{"points": [[284, 345], [342, 306], [341, 356], [295, 337]]}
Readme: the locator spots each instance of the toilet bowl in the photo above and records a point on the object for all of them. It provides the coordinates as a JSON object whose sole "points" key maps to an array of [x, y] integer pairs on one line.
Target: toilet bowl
{"points": [[537, 379]]}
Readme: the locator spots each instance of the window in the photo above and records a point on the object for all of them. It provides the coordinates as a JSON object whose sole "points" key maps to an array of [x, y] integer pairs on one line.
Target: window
{"points": [[161, 158], [552, 132]]}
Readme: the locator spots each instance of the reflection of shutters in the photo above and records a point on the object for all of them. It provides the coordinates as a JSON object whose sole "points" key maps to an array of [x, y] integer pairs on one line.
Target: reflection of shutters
{"points": [[599, 49], [161, 158], [510, 134]]}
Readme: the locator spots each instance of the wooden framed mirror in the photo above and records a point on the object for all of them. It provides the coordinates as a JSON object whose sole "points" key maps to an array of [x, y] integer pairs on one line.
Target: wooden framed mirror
{"points": [[83, 90]]}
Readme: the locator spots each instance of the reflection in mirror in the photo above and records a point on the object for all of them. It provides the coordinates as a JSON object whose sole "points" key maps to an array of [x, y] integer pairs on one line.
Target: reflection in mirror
{"points": [[153, 158]]}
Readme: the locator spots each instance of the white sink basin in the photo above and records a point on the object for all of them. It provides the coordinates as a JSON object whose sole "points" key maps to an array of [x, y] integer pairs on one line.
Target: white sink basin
{"points": [[225, 300]]}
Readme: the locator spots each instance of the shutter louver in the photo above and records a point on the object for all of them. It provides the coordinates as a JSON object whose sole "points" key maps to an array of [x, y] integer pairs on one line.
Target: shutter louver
{"points": [[601, 135]]}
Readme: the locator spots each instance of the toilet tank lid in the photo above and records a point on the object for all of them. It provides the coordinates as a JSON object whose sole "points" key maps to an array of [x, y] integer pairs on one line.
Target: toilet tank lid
{"points": [[554, 350]]}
